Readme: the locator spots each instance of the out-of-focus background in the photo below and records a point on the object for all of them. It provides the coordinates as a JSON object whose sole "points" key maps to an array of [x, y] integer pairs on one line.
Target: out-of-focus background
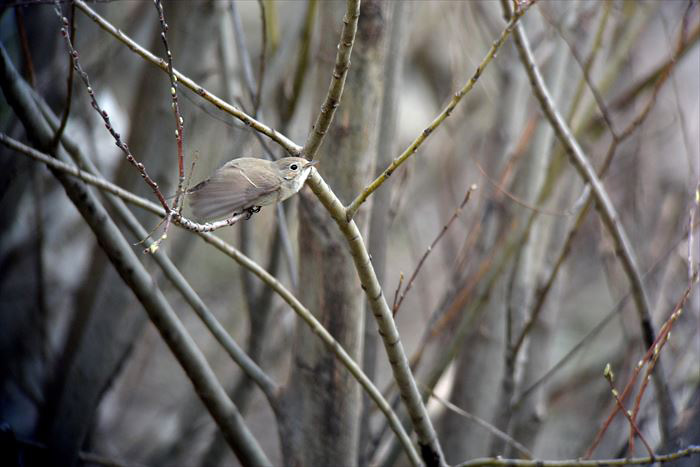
{"points": [[84, 368]]}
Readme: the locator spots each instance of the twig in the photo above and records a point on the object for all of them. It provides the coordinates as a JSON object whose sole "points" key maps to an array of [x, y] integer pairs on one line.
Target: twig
{"points": [[335, 89], [652, 357], [610, 377], [409, 284], [292, 148], [69, 83], [484, 424], [500, 462], [607, 212], [396, 295], [516, 199], [588, 64], [413, 147], [179, 128]]}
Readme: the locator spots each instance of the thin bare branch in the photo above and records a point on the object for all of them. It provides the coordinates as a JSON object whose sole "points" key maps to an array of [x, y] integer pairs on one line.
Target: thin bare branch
{"points": [[340, 72], [484, 424], [409, 284], [302, 62], [500, 462], [609, 377], [653, 76], [69, 169]]}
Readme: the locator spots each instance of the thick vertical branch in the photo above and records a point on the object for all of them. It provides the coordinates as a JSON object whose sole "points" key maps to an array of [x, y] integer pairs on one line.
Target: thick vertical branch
{"points": [[340, 72], [379, 218], [328, 280]]}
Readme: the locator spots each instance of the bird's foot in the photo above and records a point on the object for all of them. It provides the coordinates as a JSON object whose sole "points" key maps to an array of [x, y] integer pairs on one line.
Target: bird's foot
{"points": [[251, 211]]}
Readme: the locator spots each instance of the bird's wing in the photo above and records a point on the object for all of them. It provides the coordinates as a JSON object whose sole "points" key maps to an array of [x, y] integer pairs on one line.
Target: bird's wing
{"points": [[216, 197]]}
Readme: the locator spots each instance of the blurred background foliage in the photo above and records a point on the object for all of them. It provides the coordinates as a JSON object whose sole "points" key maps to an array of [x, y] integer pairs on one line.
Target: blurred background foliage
{"points": [[58, 357]]}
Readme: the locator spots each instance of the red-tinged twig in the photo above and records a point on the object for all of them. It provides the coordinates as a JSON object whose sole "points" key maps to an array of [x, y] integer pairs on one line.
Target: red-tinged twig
{"points": [[649, 358], [179, 122], [517, 200], [578, 347], [691, 38], [69, 84], [610, 377], [652, 356], [24, 45], [103, 113], [409, 284], [396, 294]]}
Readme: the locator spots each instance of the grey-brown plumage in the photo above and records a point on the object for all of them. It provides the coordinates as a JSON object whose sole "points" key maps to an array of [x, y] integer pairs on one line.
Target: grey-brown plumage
{"points": [[247, 183]]}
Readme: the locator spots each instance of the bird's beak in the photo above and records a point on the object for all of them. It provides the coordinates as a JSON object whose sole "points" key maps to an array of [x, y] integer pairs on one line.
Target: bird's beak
{"points": [[310, 164]]}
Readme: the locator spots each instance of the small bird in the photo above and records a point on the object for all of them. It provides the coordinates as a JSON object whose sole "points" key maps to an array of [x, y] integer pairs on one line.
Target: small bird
{"points": [[247, 183]]}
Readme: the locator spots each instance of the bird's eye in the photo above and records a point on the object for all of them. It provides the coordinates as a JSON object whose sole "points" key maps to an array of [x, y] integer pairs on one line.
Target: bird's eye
{"points": [[293, 166]]}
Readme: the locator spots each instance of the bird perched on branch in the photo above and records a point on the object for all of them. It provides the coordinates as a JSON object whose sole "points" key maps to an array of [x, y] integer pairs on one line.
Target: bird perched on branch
{"points": [[247, 183]]}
